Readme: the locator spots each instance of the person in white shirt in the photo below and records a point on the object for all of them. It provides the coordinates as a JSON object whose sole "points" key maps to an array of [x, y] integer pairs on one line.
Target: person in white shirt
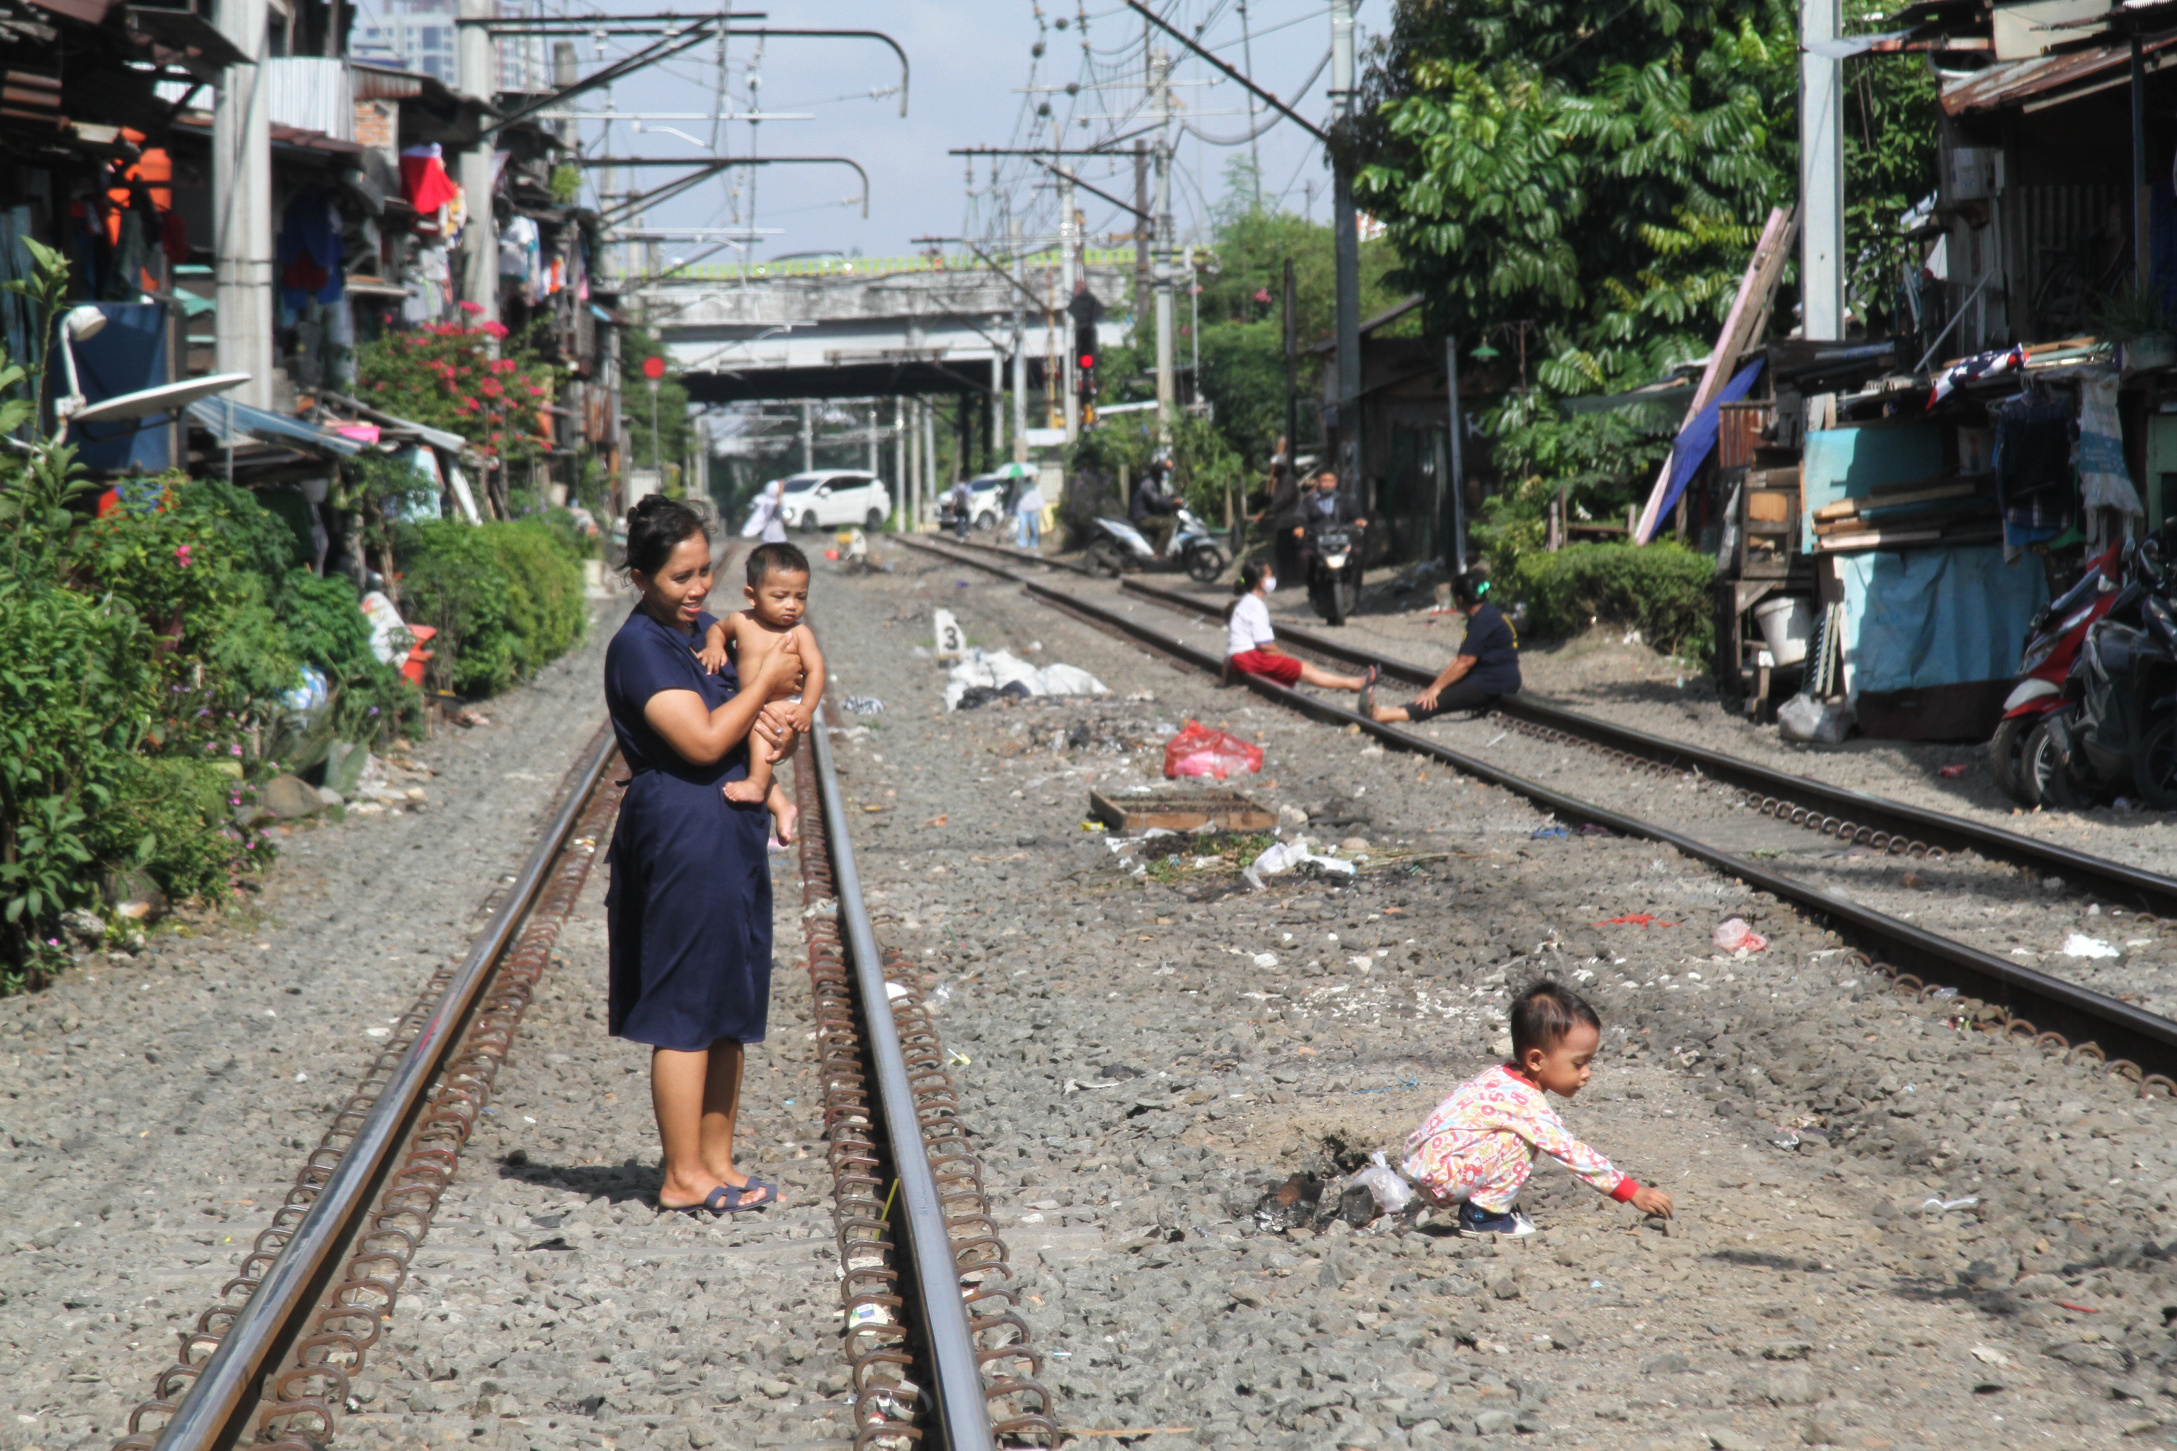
{"points": [[1251, 645], [1028, 514], [767, 521]]}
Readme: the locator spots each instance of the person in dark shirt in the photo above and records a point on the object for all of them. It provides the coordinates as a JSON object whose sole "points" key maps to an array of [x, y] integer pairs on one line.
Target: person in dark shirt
{"points": [[1151, 508], [1486, 667], [1282, 515]]}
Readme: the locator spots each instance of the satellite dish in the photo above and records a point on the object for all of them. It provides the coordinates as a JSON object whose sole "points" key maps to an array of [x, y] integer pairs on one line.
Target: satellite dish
{"points": [[165, 398]]}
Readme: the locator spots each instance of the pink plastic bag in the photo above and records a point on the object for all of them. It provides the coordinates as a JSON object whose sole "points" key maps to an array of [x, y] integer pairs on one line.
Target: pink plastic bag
{"points": [[1732, 934], [1199, 751]]}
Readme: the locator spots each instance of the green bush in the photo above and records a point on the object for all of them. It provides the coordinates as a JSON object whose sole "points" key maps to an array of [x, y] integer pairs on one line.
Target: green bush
{"points": [[506, 598], [1662, 590], [169, 815]]}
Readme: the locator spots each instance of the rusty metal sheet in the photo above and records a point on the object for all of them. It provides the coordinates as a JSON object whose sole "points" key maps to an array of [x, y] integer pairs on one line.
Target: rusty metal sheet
{"points": [[2011, 83]]}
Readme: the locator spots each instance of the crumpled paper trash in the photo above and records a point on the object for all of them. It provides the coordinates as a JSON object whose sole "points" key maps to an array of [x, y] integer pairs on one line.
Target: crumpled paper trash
{"points": [[1283, 856], [1000, 669]]}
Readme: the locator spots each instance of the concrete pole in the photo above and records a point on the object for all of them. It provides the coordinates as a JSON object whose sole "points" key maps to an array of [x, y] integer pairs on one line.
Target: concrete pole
{"points": [[997, 408], [929, 458], [808, 438], [565, 73], [1160, 107], [900, 509], [1020, 355], [1345, 227], [476, 72], [1821, 176], [242, 180], [872, 436], [1068, 278]]}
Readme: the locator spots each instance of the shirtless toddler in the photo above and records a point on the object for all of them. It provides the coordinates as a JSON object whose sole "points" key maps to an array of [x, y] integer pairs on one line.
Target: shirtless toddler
{"points": [[778, 597]]}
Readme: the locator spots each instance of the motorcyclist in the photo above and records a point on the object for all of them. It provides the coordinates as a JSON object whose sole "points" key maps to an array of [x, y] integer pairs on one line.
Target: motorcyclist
{"points": [[1152, 509], [1325, 506]]}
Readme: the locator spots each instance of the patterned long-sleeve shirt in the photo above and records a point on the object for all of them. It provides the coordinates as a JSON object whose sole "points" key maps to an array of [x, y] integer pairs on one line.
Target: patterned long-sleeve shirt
{"points": [[1488, 1132]]}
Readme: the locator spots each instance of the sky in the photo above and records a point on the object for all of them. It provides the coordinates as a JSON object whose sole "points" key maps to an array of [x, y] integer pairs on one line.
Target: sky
{"points": [[972, 69]]}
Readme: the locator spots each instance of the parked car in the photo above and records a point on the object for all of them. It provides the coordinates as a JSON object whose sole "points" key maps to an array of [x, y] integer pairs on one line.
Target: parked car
{"points": [[832, 498]]}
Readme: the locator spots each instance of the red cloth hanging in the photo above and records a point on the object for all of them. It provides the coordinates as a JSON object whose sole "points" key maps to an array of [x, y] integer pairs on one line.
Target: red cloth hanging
{"points": [[424, 180]]}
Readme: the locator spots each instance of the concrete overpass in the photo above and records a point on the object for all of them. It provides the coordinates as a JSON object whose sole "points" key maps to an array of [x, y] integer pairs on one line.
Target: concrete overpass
{"points": [[872, 327]]}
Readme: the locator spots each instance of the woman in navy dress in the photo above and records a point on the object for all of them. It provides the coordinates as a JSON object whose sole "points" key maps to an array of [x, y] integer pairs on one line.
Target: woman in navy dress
{"points": [[689, 908]]}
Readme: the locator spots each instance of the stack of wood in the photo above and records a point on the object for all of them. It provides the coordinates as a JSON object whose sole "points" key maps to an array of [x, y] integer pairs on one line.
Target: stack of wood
{"points": [[1950, 509]]}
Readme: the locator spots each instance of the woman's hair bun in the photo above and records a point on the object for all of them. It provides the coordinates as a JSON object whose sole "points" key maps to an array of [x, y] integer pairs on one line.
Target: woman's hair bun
{"points": [[655, 528]]}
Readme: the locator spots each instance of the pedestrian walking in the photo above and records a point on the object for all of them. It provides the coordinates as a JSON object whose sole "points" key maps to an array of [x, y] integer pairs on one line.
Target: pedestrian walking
{"points": [[1028, 517], [689, 907], [767, 521]]}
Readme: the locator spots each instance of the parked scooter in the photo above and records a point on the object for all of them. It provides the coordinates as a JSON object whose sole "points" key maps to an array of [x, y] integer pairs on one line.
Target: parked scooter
{"points": [[1333, 560], [2116, 731], [2052, 646], [1120, 547]]}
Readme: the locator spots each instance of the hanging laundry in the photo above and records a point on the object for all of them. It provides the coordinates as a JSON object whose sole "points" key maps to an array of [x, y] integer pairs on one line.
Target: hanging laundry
{"points": [[1980, 365], [2105, 482], [310, 250], [424, 180], [2033, 461]]}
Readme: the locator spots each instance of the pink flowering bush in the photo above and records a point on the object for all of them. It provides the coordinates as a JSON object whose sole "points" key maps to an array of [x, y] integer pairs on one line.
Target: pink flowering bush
{"points": [[446, 375]]}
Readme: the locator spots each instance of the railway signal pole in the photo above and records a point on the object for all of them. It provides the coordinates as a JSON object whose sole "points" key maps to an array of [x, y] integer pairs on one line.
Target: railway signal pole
{"points": [[1344, 227]]}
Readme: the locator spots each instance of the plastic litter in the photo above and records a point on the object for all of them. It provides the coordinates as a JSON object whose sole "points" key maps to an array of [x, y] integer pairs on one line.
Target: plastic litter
{"points": [[1199, 751], [982, 676], [2078, 944], [1389, 1188], [1544, 833], [1951, 773], [389, 637], [309, 694], [862, 705], [1943, 1206], [1821, 723], [1635, 919], [1732, 933], [1266, 959], [1283, 856]]}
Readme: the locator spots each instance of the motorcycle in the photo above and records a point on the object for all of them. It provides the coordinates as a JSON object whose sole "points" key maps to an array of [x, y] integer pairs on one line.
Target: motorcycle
{"points": [[1333, 561], [1120, 547], [2052, 646], [2116, 730]]}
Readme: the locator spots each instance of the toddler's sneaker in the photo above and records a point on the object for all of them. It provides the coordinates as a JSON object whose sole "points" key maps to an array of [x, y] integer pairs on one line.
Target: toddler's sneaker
{"points": [[1473, 1219]]}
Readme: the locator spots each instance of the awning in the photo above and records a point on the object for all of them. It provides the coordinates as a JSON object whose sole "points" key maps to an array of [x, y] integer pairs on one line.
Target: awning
{"points": [[2016, 83], [214, 415]]}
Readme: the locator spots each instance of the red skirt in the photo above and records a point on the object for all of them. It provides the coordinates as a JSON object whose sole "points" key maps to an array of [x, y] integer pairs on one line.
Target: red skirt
{"points": [[1284, 669]]}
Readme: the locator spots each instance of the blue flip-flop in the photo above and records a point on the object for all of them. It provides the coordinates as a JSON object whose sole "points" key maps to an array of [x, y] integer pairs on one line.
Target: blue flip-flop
{"points": [[755, 1194], [722, 1200]]}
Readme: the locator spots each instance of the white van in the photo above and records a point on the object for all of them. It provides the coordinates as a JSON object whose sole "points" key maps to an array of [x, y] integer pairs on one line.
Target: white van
{"points": [[832, 498]]}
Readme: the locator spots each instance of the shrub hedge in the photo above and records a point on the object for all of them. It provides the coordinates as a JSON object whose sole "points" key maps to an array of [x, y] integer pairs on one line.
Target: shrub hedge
{"points": [[1663, 590], [506, 598]]}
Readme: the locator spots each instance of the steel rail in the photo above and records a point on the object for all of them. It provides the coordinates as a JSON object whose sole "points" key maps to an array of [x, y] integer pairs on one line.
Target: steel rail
{"points": [[2116, 1028], [963, 1413], [219, 1397], [2118, 882]]}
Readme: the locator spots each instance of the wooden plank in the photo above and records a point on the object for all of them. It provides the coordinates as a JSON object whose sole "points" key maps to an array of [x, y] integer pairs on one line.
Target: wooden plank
{"points": [[1763, 271], [1181, 811]]}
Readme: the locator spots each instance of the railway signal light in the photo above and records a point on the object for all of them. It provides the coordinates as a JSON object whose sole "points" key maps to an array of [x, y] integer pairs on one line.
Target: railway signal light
{"points": [[1084, 310]]}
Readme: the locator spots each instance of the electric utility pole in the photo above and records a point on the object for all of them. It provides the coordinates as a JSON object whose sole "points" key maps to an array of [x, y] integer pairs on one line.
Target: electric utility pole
{"points": [[1020, 350], [1343, 225], [476, 73], [242, 183], [1821, 177], [1067, 278], [1160, 107]]}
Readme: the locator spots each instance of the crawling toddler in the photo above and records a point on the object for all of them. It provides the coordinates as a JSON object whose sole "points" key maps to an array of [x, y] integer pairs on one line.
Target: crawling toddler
{"points": [[778, 598], [1477, 1149]]}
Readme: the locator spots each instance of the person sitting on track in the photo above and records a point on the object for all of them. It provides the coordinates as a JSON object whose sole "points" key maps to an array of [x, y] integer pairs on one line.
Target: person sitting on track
{"points": [[1251, 645], [1485, 669], [1478, 1147], [688, 913]]}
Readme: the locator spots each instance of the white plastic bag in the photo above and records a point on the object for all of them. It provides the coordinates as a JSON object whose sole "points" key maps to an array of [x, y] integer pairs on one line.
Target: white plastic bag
{"points": [[1813, 722], [1391, 1191], [1732, 934]]}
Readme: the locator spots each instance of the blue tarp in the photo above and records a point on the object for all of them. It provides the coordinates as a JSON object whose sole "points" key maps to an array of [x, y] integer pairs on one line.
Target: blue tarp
{"points": [[1698, 439], [127, 355], [1851, 463], [1926, 617], [212, 414]]}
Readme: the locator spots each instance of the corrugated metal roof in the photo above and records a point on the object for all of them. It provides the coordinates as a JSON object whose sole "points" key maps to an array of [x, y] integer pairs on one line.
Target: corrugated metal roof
{"points": [[311, 93], [2010, 83], [214, 414]]}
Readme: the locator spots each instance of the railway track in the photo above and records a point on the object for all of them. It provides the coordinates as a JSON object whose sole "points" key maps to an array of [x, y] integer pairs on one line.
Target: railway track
{"points": [[938, 1352], [1997, 994]]}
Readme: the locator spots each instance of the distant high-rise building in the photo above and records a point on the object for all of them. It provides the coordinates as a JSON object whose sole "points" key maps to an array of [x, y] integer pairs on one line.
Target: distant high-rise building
{"points": [[415, 35]]}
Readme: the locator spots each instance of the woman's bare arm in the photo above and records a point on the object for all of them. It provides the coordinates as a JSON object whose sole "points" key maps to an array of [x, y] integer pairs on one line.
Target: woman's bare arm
{"points": [[704, 737]]}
